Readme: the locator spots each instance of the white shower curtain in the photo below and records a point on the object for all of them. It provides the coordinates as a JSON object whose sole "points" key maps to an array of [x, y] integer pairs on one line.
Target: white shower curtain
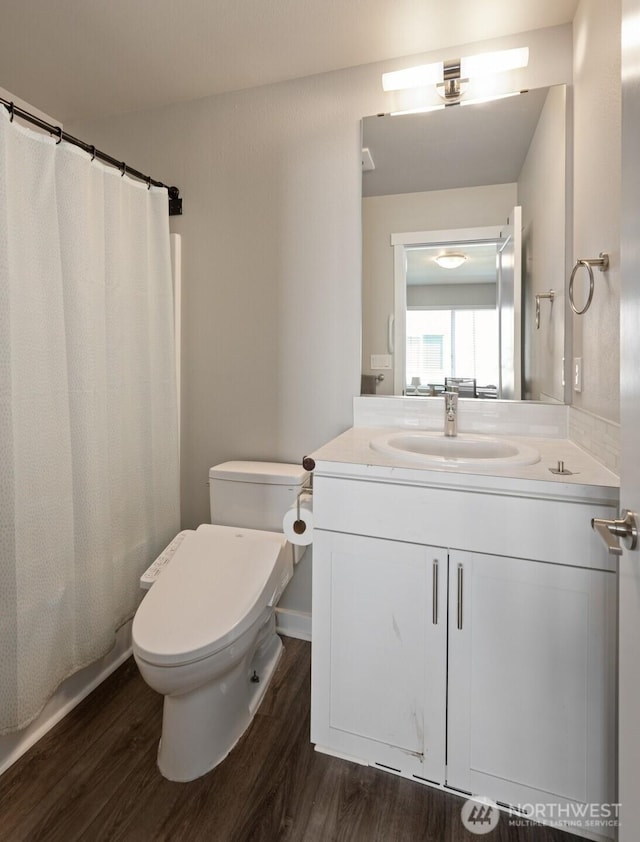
{"points": [[88, 409]]}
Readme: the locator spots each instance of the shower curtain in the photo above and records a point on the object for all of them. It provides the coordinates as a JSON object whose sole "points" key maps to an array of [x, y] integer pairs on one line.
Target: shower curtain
{"points": [[88, 410]]}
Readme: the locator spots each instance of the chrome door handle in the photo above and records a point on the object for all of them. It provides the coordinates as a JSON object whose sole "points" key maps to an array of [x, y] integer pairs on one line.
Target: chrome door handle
{"points": [[611, 530], [460, 594], [434, 585]]}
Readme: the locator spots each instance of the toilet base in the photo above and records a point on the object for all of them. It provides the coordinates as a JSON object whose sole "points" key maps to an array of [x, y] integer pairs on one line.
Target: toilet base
{"points": [[201, 727]]}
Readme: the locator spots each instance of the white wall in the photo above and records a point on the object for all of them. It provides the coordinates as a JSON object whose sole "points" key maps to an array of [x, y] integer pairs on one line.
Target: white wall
{"points": [[541, 193], [436, 210], [596, 205], [272, 251]]}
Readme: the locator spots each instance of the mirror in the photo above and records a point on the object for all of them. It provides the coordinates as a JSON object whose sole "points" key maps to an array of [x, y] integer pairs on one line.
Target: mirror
{"points": [[470, 180]]}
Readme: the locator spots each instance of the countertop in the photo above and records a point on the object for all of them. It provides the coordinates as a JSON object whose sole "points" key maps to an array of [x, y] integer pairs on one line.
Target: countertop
{"points": [[349, 455]]}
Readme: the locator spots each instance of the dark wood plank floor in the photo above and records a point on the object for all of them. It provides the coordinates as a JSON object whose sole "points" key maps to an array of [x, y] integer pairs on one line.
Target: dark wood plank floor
{"points": [[94, 777]]}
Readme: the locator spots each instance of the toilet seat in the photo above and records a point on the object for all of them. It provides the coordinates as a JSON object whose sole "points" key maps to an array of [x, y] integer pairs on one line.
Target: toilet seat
{"points": [[215, 588]]}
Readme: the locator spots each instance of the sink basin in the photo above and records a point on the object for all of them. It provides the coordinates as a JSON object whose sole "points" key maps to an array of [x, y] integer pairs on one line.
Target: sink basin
{"points": [[463, 450]]}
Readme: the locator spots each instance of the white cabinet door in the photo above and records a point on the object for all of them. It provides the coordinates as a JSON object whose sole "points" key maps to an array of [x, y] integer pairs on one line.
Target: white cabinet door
{"points": [[379, 645], [531, 678]]}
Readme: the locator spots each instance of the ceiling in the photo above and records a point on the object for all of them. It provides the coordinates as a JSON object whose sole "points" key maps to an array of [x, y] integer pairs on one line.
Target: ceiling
{"points": [[485, 143], [478, 268], [79, 59]]}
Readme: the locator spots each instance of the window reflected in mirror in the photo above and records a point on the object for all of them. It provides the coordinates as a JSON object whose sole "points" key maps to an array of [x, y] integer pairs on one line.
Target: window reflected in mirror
{"points": [[452, 347]]}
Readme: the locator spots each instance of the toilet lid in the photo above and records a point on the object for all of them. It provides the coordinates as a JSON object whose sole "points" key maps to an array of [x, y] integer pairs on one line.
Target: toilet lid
{"points": [[215, 587]]}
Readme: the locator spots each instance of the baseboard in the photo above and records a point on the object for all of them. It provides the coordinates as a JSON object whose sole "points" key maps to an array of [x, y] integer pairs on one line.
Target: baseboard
{"points": [[293, 623], [70, 693], [341, 755]]}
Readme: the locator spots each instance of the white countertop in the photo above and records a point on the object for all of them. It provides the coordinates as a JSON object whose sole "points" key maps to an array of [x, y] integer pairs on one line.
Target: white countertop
{"points": [[349, 455]]}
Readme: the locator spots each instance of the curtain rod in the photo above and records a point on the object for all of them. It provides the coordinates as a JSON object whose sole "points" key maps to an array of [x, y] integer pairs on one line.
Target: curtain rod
{"points": [[175, 202]]}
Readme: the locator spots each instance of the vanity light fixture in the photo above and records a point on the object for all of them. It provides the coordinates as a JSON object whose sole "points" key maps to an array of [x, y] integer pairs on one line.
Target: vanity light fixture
{"points": [[413, 77], [487, 64], [449, 76], [451, 260]]}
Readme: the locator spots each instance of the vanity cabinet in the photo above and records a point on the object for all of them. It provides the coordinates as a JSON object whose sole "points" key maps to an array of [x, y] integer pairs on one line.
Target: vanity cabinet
{"points": [[531, 657], [380, 653], [466, 639]]}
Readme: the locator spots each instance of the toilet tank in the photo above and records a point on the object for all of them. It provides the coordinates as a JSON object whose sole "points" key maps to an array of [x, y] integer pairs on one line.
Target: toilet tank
{"points": [[254, 495]]}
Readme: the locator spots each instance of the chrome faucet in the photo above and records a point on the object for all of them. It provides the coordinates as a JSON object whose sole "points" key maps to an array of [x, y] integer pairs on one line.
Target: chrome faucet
{"points": [[451, 412]]}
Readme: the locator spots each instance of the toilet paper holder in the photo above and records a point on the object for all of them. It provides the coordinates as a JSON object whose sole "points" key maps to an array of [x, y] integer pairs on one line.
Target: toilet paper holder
{"points": [[309, 465], [299, 526]]}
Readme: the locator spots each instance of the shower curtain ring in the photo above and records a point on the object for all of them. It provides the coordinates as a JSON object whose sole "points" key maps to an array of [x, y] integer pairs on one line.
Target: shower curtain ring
{"points": [[12, 114], [59, 131], [123, 169], [92, 149]]}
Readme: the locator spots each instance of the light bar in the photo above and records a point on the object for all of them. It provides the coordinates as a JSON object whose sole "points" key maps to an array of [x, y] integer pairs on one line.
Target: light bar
{"points": [[470, 67], [413, 77], [489, 63]]}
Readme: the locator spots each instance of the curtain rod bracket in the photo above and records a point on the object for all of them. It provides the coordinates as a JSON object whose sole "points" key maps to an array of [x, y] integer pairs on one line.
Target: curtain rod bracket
{"points": [[175, 202]]}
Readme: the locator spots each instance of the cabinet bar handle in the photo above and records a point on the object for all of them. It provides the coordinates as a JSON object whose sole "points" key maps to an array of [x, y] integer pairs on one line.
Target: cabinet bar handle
{"points": [[435, 591], [460, 575]]}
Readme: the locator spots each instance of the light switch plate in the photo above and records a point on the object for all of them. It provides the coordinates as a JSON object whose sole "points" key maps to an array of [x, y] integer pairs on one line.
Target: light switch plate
{"points": [[577, 374], [381, 361]]}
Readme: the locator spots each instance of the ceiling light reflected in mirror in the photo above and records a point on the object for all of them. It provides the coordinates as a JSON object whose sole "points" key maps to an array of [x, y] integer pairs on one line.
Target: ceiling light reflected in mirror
{"points": [[451, 260]]}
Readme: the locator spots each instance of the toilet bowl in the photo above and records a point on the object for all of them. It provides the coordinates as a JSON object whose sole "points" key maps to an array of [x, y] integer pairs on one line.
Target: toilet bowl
{"points": [[204, 635]]}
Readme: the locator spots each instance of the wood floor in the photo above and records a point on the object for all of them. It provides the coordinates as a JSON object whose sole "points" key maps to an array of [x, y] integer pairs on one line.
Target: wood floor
{"points": [[94, 777]]}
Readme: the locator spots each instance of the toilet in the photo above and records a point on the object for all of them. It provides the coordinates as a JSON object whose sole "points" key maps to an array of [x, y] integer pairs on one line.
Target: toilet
{"points": [[204, 635]]}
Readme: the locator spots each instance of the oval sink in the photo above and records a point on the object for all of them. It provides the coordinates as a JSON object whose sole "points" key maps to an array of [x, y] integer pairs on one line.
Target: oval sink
{"points": [[465, 449]]}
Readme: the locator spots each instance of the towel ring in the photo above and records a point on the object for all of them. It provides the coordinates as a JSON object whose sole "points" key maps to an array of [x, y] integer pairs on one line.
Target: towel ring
{"points": [[602, 261]]}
